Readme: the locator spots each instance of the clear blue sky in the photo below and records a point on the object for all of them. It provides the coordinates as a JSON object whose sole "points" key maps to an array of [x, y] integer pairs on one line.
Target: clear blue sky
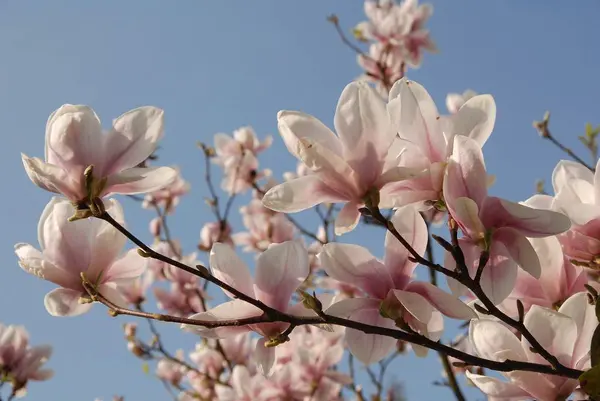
{"points": [[215, 66]]}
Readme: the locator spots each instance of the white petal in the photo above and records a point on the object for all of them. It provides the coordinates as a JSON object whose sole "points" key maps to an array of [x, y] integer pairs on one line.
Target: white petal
{"points": [[65, 302], [236, 309], [227, 266], [139, 180], [347, 219], [489, 338], [264, 357], [295, 125], [299, 194]]}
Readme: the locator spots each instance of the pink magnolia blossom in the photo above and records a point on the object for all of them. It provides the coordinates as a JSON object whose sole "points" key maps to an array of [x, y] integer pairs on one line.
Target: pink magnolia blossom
{"points": [[213, 232], [425, 139], [384, 65], [179, 300], [245, 387], [134, 292], [68, 249], [389, 287], [168, 197], [454, 101], [576, 195], [237, 157], [559, 279], [74, 141], [265, 227], [565, 334], [171, 371], [493, 224], [238, 348], [279, 272], [208, 360], [20, 361], [346, 168]]}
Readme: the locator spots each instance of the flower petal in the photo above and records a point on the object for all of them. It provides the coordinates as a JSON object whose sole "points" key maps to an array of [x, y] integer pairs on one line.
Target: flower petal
{"points": [[299, 194], [279, 272], [584, 316], [227, 266], [235, 309], [133, 138], [566, 171], [139, 180], [294, 126], [499, 275], [493, 387], [475, 119], [264, 357], [347, 219], [519, 249], [442, 301], [51, 178], [65, 302], [489, 337], [355, 265]]}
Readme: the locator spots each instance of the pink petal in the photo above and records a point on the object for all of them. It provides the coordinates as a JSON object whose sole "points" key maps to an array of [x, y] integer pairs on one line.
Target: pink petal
{"points": [[355, 265], [442, 301], [584, 316], [493, 387], [415, 117], [65, 302], [364, 129], [74, 138], [347, 219], [409, 223], [227, 266], [489, 337], [499, 275], [556, 332], [232, 310], [294, 126], [264, 357], [566, 171], [299, 194], [466, 176], [475, 119], [139, 180], [368, 348], [520, 250], [530, 222], [126, 268], [279, 272], [415, 304], [133, 138], [466, 213], [32, 261], [52, 178]]}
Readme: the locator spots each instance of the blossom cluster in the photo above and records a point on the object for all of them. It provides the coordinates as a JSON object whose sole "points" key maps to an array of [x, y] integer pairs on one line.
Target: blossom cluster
{"points": [[519, 274]]}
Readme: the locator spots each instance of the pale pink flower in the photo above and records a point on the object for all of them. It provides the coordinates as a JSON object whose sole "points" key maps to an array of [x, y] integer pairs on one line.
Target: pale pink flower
{"points": [[171, 250], [425, 139], [68, 249], [244, 139], [389, 287], [280, 270], [565, 334], [493, 224], [155, 227], [265, 227], [454, 101], [208, 360], [167, 197], [559, 279], [179, 301], [346, 168], [212, 232], [74, 141], [134, 293], [171, 371], [238, 348], [244, 387], [19, 360], [384, 65]]}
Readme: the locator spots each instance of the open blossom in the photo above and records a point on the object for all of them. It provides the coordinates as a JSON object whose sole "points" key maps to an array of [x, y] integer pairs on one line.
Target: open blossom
{"points": [[454, 101], [213, 232], [577, 192], [400, 26], [68, 249], [559, 279], [169, 196], [384, 65], [74, 142], [238, 348], [170, 371], [426, 139], [349, 167], [389, 288], [21, 362], [566, 334], [492, 224], [245, 387], [238, 158], [265, 227], [279, 272]]}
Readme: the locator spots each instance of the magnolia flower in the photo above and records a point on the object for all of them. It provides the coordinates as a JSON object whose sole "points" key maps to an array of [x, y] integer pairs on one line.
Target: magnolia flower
{"points": [[74, 142], [244, 139], [238, 348], [346, 168], [244, 387], [279, 272], [213, 232], [559, 279], [576, 191], [134, 292], [70, 249], [565, 334], [426, 139], [454, 101], [168, 197], [264, 226], [171, 371], [21, 362], [492, 224], [178, 300], [384, 65], [390, 289]]}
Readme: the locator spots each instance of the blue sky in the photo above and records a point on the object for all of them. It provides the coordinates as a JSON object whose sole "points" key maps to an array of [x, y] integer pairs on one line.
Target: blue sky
{"points": [[215, 66]]}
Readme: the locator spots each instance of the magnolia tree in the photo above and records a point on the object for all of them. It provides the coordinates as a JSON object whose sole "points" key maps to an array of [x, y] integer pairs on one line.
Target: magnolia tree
{"points": [[521, 277]]}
